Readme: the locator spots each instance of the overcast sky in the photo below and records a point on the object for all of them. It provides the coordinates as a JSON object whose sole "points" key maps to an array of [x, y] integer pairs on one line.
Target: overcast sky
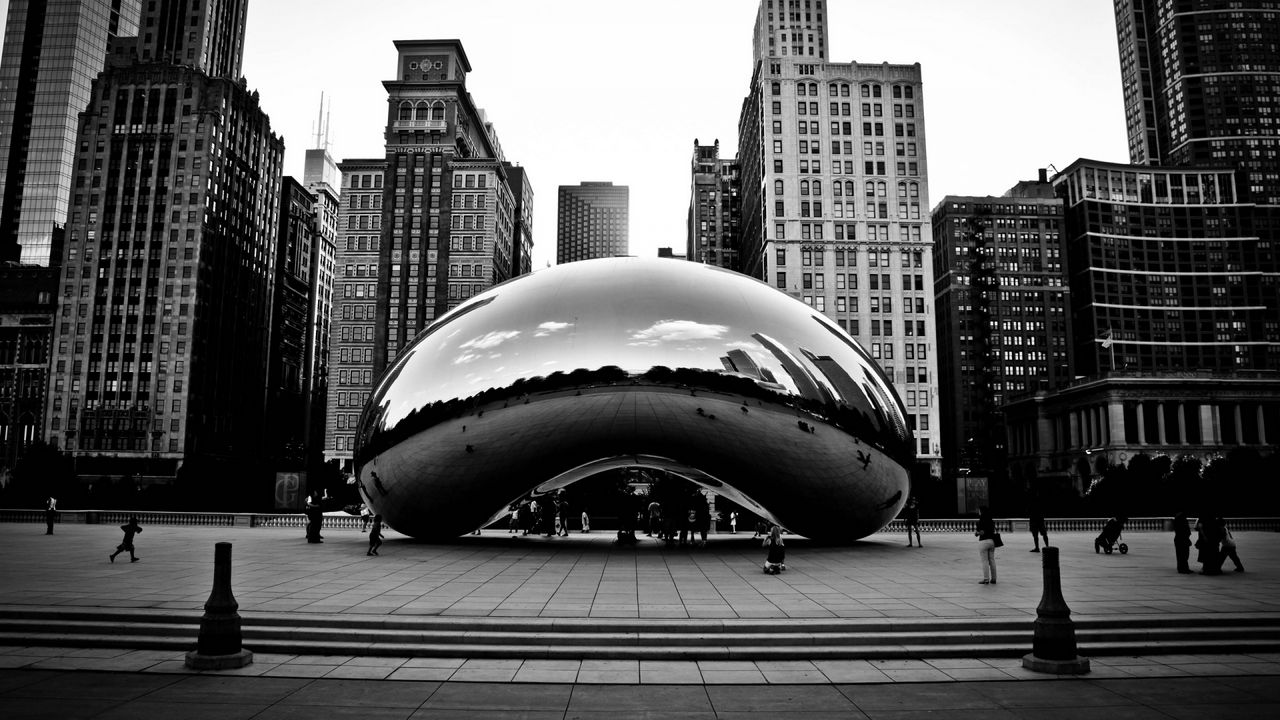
{"points": [[618, 90]]}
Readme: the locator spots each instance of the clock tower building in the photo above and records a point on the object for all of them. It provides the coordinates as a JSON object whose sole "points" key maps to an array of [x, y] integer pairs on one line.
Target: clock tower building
{"points": [[436, 226]]}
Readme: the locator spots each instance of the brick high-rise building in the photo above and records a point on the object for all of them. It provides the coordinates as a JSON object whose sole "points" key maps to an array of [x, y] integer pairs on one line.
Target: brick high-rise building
{"points": [[299, 327], [422, 229], [714, 209], [522, 233], [1004, 319], [53, 49], [355, 293], [165, 304], [592, 221], [835, 198]]}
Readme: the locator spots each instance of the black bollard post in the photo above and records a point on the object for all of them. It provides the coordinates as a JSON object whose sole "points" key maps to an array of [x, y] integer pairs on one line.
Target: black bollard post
{"points": [[218, 647], [1054, 647]]}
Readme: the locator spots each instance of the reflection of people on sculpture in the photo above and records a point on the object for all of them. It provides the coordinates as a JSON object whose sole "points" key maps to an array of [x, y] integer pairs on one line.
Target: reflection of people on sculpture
{"points": [[377, 482], [893, 500]]}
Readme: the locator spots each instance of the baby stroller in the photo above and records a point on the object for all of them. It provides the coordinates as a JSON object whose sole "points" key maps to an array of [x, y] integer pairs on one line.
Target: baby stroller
{"points": [[1110, 537]]}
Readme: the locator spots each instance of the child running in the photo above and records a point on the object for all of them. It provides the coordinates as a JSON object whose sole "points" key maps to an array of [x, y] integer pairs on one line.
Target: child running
{"points": [[130, 529]]}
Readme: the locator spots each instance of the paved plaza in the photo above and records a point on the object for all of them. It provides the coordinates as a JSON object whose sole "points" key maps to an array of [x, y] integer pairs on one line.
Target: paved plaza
{"points": [[586, 576], [499, 575]]}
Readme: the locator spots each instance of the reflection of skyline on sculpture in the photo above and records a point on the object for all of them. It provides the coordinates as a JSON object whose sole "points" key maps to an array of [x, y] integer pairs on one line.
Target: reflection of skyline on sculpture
{"points": [[649, 346]]}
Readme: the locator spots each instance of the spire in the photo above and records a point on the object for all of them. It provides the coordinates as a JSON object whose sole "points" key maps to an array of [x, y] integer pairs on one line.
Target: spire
{"points": [[327, 112], [320, 120]]}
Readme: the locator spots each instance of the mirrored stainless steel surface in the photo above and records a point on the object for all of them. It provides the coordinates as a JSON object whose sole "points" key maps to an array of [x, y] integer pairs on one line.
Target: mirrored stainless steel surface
{"points": [[583, 367]]}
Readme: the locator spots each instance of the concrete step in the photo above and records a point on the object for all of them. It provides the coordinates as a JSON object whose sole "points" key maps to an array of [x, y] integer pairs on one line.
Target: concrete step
{"points": [[607, 638]]}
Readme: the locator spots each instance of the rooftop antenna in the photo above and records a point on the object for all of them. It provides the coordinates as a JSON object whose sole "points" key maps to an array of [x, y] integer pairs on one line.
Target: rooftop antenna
{"points": [[327, 113], [320, 119]]}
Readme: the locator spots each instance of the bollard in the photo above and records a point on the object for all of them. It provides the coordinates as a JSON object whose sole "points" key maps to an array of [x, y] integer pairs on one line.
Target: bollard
{"points": [[218, 647], [1054, 647]]}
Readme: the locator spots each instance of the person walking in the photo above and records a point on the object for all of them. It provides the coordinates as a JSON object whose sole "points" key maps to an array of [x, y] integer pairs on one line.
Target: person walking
{"points": [[50, 514], [375, 535], [987, 546], [130, 529], [911, 518], [775, 552], [366, 517], [1038, 527], [1228, 545], [1182, 542]]}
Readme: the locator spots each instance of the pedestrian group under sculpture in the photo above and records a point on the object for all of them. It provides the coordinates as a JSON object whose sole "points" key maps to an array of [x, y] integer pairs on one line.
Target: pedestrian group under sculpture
{"points": [[624, 362]]}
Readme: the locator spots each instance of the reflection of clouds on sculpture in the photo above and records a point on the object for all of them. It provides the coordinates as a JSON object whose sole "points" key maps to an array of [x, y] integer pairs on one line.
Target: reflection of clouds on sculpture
{"points": [[488, 341], [546, 328], [626, 362], [671, 331]]}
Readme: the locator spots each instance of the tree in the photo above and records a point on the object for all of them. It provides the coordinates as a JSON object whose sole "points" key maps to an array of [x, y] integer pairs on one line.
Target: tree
{"points": [[1182, 484]]}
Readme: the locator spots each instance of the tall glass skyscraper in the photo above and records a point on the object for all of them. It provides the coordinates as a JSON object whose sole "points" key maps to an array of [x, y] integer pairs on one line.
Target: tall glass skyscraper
{"points": [[1202, 84], [53, 49]]}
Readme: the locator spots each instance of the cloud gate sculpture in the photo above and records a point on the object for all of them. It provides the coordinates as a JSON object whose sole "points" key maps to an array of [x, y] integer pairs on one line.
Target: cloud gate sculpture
{"points": [[626, 362]]}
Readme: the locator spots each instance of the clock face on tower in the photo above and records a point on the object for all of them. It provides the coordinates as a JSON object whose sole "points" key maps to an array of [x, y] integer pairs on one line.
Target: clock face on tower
{"points": [[429, 67]]}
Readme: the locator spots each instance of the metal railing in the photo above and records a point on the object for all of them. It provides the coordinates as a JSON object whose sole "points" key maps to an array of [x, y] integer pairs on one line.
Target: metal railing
{"points": [[346, 521]]}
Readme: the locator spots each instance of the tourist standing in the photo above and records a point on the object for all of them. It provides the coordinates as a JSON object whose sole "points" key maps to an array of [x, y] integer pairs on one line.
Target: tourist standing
{"points": [[1182, 542], [733, 521], [50, 514], [911, 517], [987, 546], [1208, 546], [1038, 527], [586, 520], [702, 515], [130, 529], [315, 517], [375, 535]]}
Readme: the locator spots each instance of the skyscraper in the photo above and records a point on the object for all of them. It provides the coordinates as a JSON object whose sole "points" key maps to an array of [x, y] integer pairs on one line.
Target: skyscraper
{"points": [[165, 306], [422, 229], [355, 293], [592, 221], [322, 179], [1201, 84], [835, 197], [1004, 322], [53, 49], [714, 209], [1167, 271], [522, 232]]}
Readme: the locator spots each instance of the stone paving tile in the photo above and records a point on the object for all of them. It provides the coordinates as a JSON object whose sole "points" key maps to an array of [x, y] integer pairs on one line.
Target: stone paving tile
{"points": [[292, 670]]}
